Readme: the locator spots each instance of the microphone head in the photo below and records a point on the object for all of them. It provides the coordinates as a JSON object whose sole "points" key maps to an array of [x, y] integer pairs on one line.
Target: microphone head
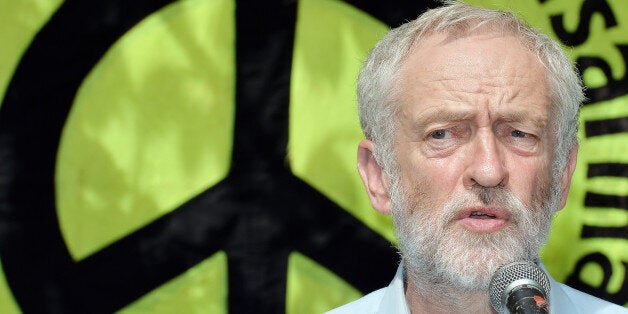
{"points": [[513, 275]]}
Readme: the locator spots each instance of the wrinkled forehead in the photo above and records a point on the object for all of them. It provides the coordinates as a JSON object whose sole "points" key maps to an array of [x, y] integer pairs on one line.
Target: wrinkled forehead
{"points": [[483, 53], [484, 66], [439, 35]]}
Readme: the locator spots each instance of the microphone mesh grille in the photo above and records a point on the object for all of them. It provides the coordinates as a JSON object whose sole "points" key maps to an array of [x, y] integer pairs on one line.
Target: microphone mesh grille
{"points": [[507, 274]]}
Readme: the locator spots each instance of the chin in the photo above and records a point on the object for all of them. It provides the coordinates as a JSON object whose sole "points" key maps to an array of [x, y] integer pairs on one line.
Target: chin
{"points": [[466, 260]]}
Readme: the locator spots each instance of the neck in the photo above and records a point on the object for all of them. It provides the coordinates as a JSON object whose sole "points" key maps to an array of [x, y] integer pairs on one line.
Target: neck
{"points": [[440, 298]]}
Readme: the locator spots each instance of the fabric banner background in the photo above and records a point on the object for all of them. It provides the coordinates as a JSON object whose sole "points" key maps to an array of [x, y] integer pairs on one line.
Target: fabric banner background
{"points": [[198, 156]]}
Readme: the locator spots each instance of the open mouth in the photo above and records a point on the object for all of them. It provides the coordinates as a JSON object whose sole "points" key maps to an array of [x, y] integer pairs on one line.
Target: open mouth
{"points": [[483, 219]]}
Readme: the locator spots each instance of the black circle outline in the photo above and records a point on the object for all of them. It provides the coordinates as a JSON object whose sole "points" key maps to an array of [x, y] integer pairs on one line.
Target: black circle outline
{"points": [[34, 110]]}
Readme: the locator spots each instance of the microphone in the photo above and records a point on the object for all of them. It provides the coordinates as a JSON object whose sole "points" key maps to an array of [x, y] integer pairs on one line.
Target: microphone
{"points": [[519, 287]]}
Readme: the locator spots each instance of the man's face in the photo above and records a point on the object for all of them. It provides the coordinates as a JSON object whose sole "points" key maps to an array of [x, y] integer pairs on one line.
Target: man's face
{"points": [[473, 149]]}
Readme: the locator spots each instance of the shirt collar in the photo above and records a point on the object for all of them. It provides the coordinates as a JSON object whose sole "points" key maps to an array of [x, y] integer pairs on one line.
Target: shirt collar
{"points": [[394, 299]]}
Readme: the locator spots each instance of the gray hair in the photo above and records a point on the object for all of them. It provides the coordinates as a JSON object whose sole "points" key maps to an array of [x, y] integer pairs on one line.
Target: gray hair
{"points": [[377, 103]]}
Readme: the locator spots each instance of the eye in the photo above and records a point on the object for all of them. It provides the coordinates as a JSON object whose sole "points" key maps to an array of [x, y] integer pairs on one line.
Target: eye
{"points": [[522, 141], [517, 133], [440, 134], [442, 139]]}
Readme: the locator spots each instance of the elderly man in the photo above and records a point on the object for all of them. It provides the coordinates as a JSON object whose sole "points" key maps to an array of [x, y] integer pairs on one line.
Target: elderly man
{"points": [[470, 120]]}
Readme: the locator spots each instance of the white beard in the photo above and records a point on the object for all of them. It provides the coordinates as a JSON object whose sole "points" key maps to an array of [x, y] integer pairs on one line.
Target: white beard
{"points": [[443, 258]]}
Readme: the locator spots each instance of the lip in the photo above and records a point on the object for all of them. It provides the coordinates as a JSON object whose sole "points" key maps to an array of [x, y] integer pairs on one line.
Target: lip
{"points": [[483, 219]]}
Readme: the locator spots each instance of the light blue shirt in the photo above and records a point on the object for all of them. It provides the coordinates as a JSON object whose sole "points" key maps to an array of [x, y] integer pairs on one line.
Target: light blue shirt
{"points": [[563, 299]]}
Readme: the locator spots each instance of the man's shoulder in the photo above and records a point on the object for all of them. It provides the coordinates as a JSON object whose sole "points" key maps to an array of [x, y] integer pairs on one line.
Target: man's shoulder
{"points": [[587, 303], [366, 304]]}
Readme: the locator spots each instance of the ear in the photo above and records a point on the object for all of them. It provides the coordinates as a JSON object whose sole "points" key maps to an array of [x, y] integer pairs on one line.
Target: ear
{"points": [[565, 182], [374, 179]]}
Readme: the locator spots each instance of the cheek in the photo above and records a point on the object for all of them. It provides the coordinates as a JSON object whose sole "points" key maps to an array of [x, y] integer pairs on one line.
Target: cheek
{"points": [[543, 189], [531, 182], [430, 183]]}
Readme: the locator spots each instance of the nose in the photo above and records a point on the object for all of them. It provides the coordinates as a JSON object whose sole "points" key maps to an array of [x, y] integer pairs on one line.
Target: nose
{"points": [[486, 165]]}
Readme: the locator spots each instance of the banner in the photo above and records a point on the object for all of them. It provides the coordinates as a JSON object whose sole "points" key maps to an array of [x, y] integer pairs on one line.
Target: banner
{"points": [[199, 156]]}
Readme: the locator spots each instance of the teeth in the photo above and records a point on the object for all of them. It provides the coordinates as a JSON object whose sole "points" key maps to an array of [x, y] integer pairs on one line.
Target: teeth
{"points": [[481, 214]]}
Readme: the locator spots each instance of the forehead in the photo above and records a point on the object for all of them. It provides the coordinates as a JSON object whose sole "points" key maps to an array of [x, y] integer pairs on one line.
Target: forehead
{"points": [[493, 68], [483, 55]]}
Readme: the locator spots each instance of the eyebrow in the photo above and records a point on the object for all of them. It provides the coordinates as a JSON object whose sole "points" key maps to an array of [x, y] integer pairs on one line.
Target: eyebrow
{"points": [[443, 115], [522, 116], [440, 114]]}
